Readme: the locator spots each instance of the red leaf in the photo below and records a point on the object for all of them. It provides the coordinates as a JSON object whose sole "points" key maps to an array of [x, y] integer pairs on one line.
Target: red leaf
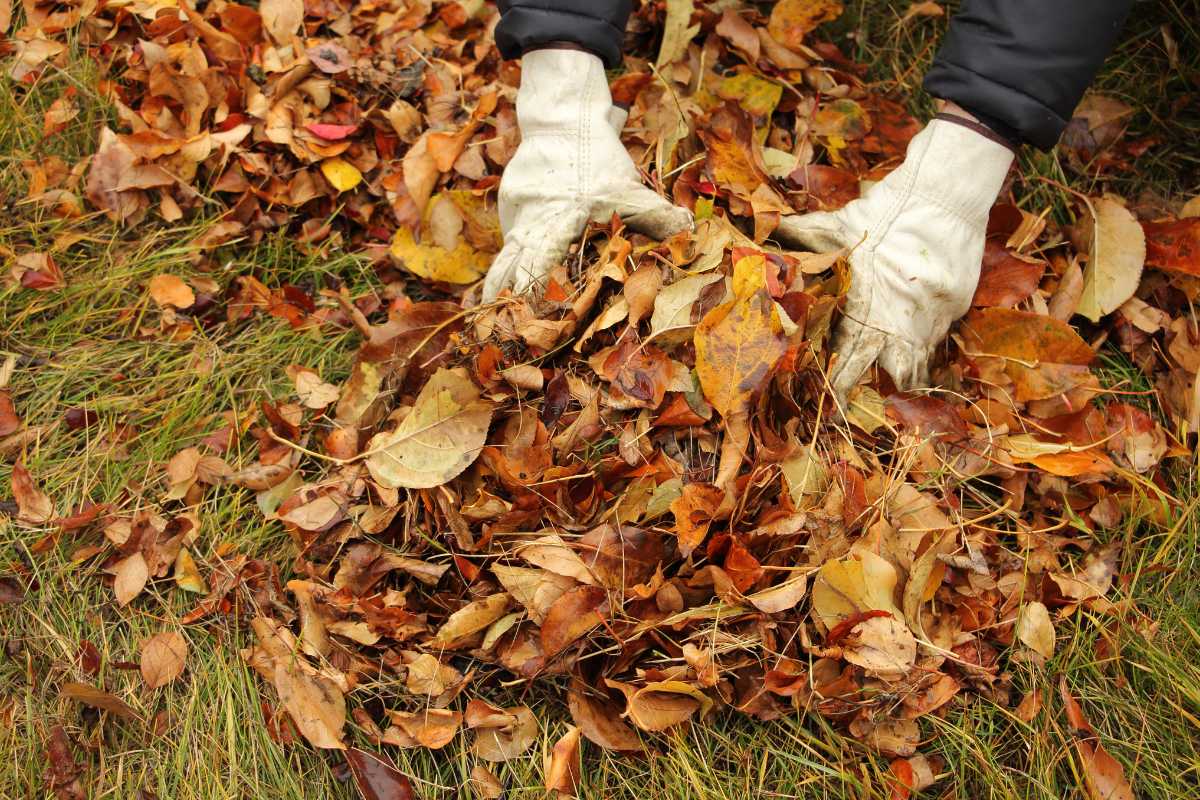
{"points": [[329, 131], [1174, 246], [1005, 280]]}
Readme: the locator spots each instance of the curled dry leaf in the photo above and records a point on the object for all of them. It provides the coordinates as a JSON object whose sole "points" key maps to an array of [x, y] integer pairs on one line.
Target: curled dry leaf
{"points": [[438, 439], [472, 618], [163, 658], [97, 698], [501, 734], [883, 646], [562, 765], [433, 728], [600, 723], [1103, 776], [33, 506]]}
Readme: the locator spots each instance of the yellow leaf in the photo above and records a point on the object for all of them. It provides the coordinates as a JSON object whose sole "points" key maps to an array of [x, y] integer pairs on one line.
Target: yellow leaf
{"points": [[738, 344], [461, 265], [343, 175]]}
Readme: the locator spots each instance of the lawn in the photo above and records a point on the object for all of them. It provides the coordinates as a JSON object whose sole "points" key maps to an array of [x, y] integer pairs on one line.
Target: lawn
{"points": [[99, 344]]}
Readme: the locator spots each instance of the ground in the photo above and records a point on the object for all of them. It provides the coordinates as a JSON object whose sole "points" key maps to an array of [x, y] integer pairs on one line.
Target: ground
{"points": [[84, 345]]}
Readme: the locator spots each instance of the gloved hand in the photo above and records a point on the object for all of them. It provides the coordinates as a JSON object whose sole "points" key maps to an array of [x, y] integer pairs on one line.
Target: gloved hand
{"points": [[916, 243], [570, 168]]}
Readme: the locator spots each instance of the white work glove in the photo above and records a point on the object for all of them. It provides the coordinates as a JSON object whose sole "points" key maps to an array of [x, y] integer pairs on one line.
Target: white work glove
{"points": [[570, 168], [915, 243]]}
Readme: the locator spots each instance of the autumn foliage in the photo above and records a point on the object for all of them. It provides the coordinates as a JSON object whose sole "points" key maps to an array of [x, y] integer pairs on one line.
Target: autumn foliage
{"points": [[637, 483]]}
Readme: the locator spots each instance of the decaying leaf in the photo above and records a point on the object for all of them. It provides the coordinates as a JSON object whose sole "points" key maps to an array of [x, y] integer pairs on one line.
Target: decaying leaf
{"points": [[438, 439]]}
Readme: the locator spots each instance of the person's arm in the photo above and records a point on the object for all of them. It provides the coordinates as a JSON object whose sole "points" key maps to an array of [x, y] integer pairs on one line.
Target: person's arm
{"points": [[1010, 72], [597, 26], [1021, 66]]}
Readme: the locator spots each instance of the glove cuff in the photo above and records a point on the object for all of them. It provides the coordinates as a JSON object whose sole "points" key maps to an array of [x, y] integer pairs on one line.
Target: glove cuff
{"points": [[562, 91], [957, 168]]}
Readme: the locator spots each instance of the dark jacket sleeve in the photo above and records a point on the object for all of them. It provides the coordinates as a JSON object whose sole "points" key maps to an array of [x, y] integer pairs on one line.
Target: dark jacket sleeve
{"points": [[596, 25], [1022, 66]]}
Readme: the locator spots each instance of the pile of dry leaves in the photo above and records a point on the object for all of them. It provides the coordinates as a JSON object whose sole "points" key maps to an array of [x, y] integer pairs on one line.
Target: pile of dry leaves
{"points": [[637, 482]]}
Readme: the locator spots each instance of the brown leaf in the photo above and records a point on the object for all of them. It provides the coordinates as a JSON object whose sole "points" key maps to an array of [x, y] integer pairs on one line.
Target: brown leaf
{"points": [[377, 779], [97, 698], [1103, 776], [9, 421], [600, 723], [501, 734], [431, 727], [282, 19], [562, 766], [571, 616], [33, 506], [62, 771], [1005, 279], [694, 510], [791, 20], [163, 658], [130, 576]]}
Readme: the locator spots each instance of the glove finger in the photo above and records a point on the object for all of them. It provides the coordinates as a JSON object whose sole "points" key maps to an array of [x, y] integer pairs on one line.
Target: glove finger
{"points": [[546, 248], [500, 274], [856, 347], [616, 118], [908, 365], [646, 212], [819, 232]]}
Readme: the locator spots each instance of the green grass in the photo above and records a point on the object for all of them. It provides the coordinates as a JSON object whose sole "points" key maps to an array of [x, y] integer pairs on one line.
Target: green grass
{"points": [[93, 344]]}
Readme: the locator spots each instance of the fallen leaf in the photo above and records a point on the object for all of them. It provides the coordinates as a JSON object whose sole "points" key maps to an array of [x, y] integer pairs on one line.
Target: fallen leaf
{"points": [[853, 585], [341, 174], [1114, 267], [600, 723], [501, 734], [440, 437], [170, 290], [33, 506], [472, 618], [1034, 628], [883, 646], [562, 766], [792, 20], [163, 658], [375, 778], [131, 574], [1103, 776], [573, 614], [97, 698]]}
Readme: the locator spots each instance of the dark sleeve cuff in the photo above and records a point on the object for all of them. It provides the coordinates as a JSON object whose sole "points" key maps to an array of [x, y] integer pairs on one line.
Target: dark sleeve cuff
{"points": [[1022, 66], [596, 25]]}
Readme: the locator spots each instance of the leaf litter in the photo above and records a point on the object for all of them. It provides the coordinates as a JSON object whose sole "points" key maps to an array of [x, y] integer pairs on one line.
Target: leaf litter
{"points": [[589, 486]]}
